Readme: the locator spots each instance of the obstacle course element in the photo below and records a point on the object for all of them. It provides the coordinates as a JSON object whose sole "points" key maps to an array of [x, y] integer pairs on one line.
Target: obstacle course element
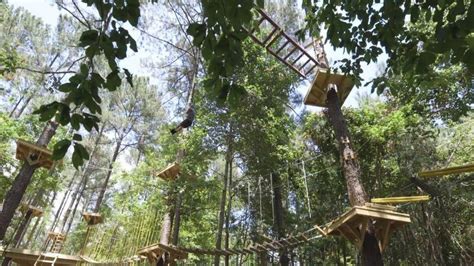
{"points": [[57, 241], [29, 257], [92, 218], [282, 46], [352, 225], [398, 200], [448, 171], [35, 212], [317, 93], [170, 173], [33, 154], [155, 251]]}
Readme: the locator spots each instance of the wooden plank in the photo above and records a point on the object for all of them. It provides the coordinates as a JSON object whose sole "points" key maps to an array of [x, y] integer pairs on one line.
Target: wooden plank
{"points": [[406, 199], [448, 171], [249, 251], [320, 230], [170, 172]]}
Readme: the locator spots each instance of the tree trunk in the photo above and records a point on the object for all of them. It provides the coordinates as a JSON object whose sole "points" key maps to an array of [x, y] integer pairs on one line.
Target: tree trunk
{"points": [[177, 218], [166, 227], [100, 198], [228, 214], [21, 182], [222, 211], [12, 112], [32, 232], [371, 254], [278, 222], [20, 233], [20, 111]]}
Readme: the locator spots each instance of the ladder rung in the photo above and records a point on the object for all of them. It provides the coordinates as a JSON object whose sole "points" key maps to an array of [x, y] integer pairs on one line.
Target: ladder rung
{"points": [[309, 70], [269, 36], [302, 66], [258, 25], [291, 52], [283, 46], [297, 58], [277, 36]]}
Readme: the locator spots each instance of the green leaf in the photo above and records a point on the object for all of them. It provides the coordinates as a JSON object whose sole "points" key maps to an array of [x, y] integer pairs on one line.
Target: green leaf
{"points": [[128, 77], [82, 150], [88, 37], [77, 160], [133, 45], [77, 137], [66, 87], [76, 120], [113, 81], [60, 149]]}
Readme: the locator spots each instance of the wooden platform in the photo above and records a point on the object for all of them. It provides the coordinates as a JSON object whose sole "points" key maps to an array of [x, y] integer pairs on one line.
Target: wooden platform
{"points": [[153, 252], [317, 93], [92, 218], [170, 173], [448, 171], [28, 257], [352, 225], [33, 154], [35, 212]]}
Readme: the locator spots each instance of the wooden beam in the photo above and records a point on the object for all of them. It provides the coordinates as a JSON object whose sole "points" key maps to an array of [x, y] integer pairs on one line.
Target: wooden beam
{"points": [[395, 200], [448, 171]]}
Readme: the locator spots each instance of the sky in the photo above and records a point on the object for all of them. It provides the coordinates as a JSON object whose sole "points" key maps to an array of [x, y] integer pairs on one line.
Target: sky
{"points": [[48, 11]]}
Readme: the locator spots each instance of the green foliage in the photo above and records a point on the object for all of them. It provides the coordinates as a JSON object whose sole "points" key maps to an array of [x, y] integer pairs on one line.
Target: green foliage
{"points": [[220, 38], [366, 29], [83, 87]]}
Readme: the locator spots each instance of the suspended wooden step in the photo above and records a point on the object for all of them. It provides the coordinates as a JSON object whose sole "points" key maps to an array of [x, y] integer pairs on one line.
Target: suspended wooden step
{"points": [[35, 212], [170, 173], [92, 218], [317, 93], [352, 224], [29, 257], [33, 154], [282, 46], [155, 251], [398, 200], [448, 171]]}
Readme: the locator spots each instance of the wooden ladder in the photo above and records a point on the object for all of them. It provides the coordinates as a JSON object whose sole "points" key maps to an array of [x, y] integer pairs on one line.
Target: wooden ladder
{"points": [[57, 244], [46, 258], [283, 47]]}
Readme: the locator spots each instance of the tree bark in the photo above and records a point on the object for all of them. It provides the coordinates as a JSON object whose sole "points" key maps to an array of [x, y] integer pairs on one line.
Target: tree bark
{"points": [[177, 218], [278, 222], [21, 182], [371, 254], [100, 198], [222, 211], [32, 232], [228, 214]]}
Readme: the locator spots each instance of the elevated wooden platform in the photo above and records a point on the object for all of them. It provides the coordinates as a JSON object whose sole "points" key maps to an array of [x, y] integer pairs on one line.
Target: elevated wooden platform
{"points": [[29, 257], [317, 93], [448, 171], [34, 154], [35, 212], [155, 251], [92, 218], [398, 200], [352, 225], [170, 173]]}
